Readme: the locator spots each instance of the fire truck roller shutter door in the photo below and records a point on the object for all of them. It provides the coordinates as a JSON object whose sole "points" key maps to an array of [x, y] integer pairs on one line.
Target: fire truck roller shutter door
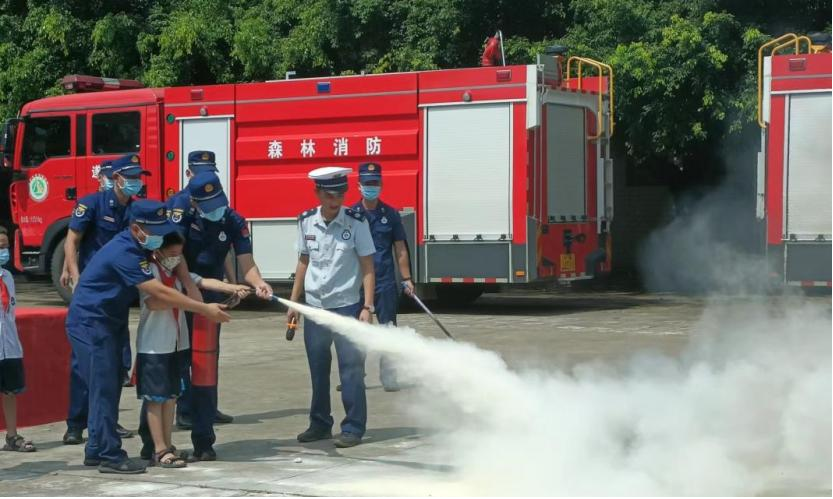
{"points": [[808, 167], [566, 163], [468, 166]]}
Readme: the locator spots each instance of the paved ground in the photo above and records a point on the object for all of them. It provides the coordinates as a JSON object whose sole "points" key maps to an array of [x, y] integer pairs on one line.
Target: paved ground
{"points": [[264, 384]]}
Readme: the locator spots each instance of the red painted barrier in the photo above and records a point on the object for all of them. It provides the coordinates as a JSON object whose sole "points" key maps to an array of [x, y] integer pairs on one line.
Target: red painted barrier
{"points": [[46, 354]]}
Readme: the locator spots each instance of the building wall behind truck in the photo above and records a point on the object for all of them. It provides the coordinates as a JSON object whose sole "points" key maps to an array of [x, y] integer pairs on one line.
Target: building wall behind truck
{"points": [[638, 211]]}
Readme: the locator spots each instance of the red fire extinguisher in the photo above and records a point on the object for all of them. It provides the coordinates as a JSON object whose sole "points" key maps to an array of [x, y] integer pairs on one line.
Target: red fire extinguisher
{"points": [[204, 352]]}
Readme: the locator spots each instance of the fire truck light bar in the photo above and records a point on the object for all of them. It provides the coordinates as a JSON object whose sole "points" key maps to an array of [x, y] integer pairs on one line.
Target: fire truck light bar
{"points": [[84, 83]]}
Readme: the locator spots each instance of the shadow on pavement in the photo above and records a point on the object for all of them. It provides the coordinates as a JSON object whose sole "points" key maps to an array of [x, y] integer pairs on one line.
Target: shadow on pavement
{"points": [[261, 416]]}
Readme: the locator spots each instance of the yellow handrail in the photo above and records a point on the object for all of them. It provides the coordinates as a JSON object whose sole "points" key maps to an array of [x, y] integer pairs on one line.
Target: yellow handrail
{"points": [[601, 67], [791, 39]]}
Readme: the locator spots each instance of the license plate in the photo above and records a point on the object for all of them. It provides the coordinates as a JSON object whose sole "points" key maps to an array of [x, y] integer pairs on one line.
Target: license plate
{"points": [[568, 262]]}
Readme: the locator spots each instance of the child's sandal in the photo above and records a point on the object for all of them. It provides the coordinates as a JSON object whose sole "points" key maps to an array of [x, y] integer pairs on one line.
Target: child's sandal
{"points": [[168, 459], [18, 444]]}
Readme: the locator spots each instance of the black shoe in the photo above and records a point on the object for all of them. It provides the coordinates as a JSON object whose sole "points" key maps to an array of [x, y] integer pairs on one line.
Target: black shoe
{"points": [[347, 440], [125, 381], [73, 437], [220, 418], [338, 387], [391, 387], [312, 435], [123, 432], [184, 422], [125, 467], [203, 455], [91, 461]]}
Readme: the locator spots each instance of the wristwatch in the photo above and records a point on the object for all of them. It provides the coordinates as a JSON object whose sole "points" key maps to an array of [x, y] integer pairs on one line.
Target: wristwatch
{"points": [[370, 308]]}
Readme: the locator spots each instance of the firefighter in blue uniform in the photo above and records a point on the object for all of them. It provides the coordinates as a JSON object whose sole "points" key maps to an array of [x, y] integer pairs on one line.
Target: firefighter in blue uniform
{"points": [[213, 231], [97, 218], [335, 262], [183, 213], [179, 205], [105, 176], [388, 236], [97, 324]]}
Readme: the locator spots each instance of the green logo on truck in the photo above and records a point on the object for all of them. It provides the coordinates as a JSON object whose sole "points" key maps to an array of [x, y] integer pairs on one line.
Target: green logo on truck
{"points": [[38, 187]]}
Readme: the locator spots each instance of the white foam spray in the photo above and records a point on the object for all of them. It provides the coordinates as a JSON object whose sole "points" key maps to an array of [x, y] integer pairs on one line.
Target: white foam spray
{"points": [[745, 410]]}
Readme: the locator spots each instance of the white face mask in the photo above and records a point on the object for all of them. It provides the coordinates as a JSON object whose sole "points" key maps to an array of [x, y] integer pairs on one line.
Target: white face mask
{"points": [[170, 262]]}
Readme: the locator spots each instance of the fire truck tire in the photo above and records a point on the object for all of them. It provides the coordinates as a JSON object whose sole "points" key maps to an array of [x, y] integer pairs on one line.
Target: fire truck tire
{"points": [[56, 266], [458, 294]]}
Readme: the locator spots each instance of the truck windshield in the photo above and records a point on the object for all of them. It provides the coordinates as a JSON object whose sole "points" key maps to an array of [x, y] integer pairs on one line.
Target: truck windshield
{"points": [[45, 138]]}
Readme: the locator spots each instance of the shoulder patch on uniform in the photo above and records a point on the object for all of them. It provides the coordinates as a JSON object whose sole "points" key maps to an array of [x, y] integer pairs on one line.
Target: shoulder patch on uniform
{"points": [[145, 266], [354, 214], [307, 214], [80, 209]]}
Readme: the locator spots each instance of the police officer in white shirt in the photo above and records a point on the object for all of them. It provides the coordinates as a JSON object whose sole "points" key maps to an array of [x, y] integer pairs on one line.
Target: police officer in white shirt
{"points": [[335, 261]]}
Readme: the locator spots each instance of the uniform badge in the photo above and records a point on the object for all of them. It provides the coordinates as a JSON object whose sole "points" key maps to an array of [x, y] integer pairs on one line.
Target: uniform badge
{"points": [[209, 188], [222, 236], [108, 219], [160, 212], [176, 216], [346, 234], [134, 159], [145, 267], [205, 156], [384, 220], [80, 210]]}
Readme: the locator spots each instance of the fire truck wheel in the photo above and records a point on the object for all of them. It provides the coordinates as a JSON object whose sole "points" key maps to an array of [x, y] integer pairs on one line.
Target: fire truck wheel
{"points": [[458, 294], [56, 266]]}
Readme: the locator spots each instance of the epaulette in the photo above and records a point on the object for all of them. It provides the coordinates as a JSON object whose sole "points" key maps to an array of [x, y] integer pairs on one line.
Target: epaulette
{"points": [[307, 214], [355, 214]]}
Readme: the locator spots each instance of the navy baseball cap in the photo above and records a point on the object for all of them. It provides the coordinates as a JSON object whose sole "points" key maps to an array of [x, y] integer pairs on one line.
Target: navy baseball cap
{"points": [[128, 166], [205, 188], [370, 171], [153, 216], [106, 169], [201, 161]]}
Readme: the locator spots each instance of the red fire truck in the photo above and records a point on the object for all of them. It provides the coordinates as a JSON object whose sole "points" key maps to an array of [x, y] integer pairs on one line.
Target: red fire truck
{"points": [[794, 164], [502, 173]]}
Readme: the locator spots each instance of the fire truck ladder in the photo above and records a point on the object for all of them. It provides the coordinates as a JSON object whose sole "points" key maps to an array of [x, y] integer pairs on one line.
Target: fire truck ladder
{"points": [[601, 68], [782, 42]]}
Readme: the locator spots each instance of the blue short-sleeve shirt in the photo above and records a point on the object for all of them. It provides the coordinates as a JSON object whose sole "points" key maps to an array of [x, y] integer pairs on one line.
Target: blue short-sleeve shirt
{"points": [[386, 228], [207, 243], [99, 217]]}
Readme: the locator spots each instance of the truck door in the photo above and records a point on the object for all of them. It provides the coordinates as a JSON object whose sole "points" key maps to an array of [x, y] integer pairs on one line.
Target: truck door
{"points": [[49, 167]]}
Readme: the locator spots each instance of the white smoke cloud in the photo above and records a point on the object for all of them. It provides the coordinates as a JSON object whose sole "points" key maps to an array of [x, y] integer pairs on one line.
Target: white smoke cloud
{"points": [[745, 410]]}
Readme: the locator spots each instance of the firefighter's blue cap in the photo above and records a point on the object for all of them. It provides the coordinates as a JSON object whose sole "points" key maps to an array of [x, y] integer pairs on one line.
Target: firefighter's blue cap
{"points": [[205, 188], [370, 171], [201, 161], [153, 216], [106, 169], [128, 166], [331, 178]]}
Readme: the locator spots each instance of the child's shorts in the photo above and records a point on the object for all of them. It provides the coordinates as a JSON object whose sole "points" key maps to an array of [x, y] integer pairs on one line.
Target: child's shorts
{"points": [[11, 376], [159, 375]]}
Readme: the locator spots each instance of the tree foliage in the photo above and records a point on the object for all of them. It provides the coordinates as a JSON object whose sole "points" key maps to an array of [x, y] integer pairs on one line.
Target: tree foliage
{"points": [[684, 68]]}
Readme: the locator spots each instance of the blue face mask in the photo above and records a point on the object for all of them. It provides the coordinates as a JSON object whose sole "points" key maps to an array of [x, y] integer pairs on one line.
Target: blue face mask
{"points": [[152, 242], [370, 192], [214, 215], [131, 186], [108, 184], [4, 256]]}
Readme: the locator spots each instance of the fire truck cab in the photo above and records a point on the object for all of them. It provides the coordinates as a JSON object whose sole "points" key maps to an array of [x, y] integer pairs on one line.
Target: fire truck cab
{"points": [[794, 163], [502, 174]]}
